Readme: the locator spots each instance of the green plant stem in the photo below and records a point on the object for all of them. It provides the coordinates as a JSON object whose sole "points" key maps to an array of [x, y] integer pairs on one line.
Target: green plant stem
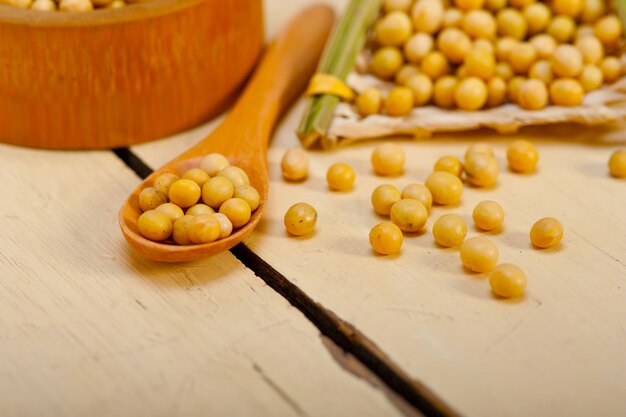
{"points": [[338, 59]]}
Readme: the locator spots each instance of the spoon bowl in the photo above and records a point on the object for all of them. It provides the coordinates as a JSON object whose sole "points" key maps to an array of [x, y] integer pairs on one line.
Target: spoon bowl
{"points": [[243, 137], [168, 251]]}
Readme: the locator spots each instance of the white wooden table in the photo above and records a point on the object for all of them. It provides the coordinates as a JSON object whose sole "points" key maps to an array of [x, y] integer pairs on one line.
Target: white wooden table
{"points": [[317, 326]]}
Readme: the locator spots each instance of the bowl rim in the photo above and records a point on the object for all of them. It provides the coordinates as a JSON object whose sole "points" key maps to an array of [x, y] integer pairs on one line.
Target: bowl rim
{"points": [[138, 11]]}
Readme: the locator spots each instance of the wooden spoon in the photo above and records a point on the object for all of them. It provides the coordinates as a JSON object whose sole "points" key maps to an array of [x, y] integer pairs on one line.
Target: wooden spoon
{"points": [[243, 137]]}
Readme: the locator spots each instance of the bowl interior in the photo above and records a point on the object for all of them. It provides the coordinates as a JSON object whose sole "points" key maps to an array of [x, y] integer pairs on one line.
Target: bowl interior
{"points": [[136, 11]]}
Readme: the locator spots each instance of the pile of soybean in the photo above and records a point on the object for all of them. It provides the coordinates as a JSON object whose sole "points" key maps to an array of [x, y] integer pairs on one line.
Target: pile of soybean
{"points": [[68, 5], [477, 54], [205, 205]]}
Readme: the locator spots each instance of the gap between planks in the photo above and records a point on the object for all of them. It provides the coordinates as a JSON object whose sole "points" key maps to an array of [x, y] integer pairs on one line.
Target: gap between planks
{"points": [[340, 332]]}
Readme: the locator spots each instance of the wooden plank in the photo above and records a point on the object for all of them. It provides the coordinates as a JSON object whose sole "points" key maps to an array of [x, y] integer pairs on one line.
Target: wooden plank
{"points": [[559, 351], [87, 328]]}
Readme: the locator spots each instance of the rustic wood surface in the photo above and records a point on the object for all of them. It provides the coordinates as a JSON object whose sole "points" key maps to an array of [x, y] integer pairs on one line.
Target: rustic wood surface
{"points": [[77, 80], [89, 328], [557, 352]]}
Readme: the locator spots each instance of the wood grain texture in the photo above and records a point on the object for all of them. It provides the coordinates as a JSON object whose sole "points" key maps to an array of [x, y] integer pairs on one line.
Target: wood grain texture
{"points": [[115, 77], [87, 328], [557, 352], [243, 137]]}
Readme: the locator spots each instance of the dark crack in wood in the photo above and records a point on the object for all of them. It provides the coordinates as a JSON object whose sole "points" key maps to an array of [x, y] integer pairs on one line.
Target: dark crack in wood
{"points": [[352, 365], [133, 162], [342, 333], [348, 338]]}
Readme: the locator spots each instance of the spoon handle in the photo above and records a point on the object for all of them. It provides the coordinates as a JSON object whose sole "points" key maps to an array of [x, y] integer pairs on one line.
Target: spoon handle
{"points": [[284, 70]]}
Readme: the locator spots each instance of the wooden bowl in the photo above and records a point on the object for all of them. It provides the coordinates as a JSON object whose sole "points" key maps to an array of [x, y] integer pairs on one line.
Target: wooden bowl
{"points": [[110, 78]]}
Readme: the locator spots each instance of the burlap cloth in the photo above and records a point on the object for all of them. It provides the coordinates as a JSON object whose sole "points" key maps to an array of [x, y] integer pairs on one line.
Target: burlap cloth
{"points": [[602, 106]]}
